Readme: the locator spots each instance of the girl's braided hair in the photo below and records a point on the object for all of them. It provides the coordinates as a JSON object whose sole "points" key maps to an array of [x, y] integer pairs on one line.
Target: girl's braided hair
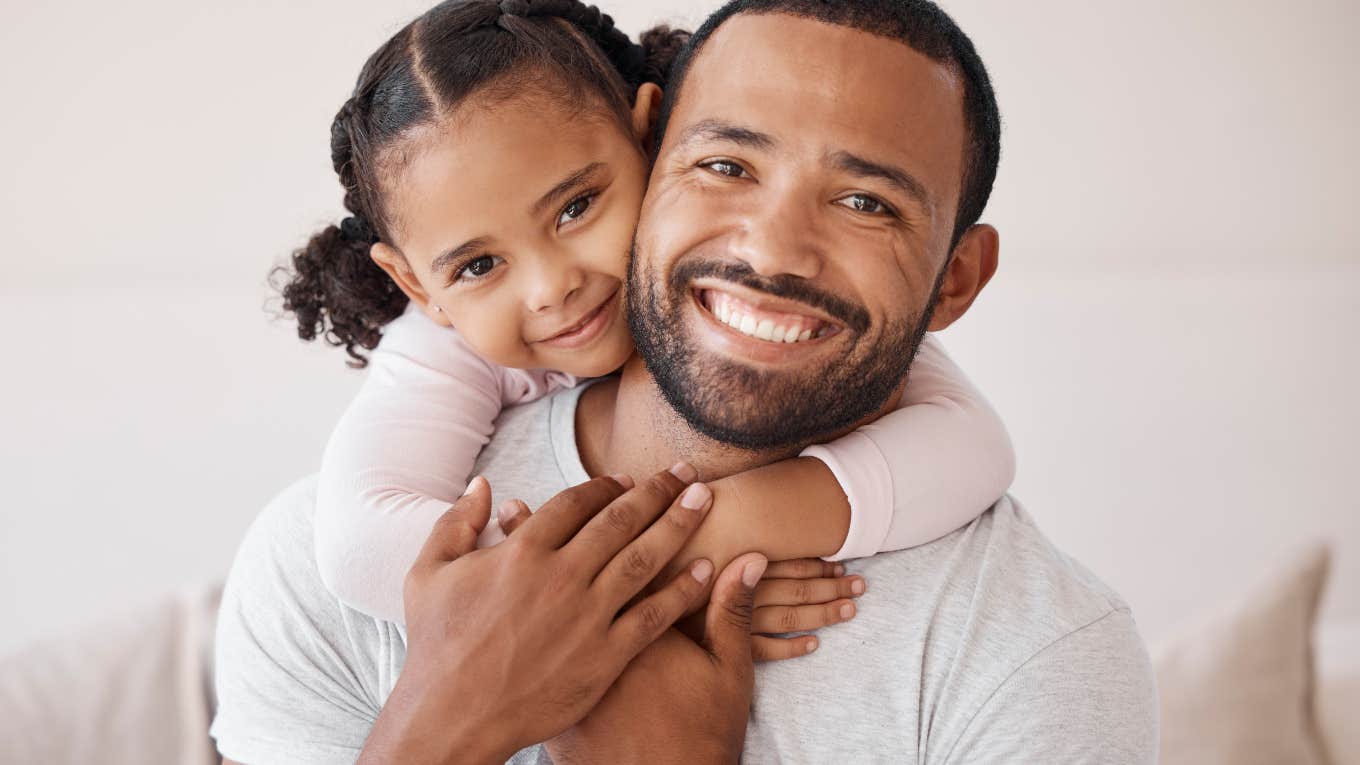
{"points": [[334, 289]]}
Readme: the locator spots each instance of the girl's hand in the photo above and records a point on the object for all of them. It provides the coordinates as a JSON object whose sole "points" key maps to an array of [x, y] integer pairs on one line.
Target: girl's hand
{"points": [[800, 596]]}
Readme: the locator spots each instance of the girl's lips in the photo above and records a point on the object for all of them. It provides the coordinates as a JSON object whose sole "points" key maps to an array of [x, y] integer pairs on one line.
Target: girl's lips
{"points": [[592, 326]]}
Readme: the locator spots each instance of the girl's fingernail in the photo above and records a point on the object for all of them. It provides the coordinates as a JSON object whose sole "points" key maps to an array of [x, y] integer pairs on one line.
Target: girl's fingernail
{"points": [[507, 510], [753, 571], [472, 485], [840, 570], [811, 645], [684, 471], [696, 497], [702, 570], [857, 586], [625, 481], [847, 611]]}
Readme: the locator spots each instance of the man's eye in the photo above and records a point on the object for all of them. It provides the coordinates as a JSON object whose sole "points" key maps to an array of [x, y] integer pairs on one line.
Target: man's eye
{"points": [[477, 268], [723, 167], [864, 203], [575, 209]]}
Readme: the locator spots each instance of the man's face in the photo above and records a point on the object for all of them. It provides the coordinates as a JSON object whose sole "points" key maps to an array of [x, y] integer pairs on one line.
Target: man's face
{"points": [[797, 223]]}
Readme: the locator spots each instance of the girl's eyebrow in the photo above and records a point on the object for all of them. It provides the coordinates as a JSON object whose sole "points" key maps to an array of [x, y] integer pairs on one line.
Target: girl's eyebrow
{"points": [[449, 257], [566, 186]]}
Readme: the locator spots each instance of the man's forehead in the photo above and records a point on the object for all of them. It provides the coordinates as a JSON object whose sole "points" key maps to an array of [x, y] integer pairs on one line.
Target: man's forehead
{"points": [[809, 82]]}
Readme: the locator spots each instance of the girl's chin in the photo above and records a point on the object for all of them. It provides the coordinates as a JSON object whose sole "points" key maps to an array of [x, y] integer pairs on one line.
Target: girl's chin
{"points": [[606, 357]]}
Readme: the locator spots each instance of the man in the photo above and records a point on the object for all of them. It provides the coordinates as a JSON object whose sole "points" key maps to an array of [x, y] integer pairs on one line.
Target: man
{"points": [[829, 160]]}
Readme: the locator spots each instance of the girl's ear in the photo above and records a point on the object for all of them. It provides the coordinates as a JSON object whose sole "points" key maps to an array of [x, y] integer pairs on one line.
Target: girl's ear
{"points": [[394, 264], [646, 111]]}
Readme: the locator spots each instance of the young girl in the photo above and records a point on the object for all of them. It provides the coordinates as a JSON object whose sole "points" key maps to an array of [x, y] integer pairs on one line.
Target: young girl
{"points": [[494, 158]]}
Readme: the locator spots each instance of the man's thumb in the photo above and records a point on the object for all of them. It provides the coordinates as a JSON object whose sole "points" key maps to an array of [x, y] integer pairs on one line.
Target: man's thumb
{"points": [[727, 624]]}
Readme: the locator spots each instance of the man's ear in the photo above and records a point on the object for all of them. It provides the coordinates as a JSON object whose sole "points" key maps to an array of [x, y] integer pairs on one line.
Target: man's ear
{"points": [[394, 264], [646, 111], [971, 266]]}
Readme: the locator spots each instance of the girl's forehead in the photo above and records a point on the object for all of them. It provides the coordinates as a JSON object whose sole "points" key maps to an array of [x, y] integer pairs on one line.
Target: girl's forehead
{"points": [[480, 173]]}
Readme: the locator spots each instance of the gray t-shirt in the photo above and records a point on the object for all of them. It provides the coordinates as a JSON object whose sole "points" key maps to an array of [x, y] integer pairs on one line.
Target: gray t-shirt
{"points": [[988, 645]]}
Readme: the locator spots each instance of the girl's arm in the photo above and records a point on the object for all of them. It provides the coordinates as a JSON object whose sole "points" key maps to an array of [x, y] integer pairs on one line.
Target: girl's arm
{"points": [[403, 452], [929, 467]]}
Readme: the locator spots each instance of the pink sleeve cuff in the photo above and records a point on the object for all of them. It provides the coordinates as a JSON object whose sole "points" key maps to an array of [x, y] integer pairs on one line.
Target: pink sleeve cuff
{"points": [[520, 386], [866, 479]]}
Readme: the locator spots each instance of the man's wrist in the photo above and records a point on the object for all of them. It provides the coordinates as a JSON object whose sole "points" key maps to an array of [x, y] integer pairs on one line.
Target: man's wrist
{"points": [[414, 728]]}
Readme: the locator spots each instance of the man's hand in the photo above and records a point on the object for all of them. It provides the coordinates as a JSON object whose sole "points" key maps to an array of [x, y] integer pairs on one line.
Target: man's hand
{"points": [[510, 645], [679, 701]]}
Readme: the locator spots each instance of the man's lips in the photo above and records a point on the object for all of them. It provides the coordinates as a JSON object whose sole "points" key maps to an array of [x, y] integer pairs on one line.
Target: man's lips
{"points": [[588, 327], [762, 318]]}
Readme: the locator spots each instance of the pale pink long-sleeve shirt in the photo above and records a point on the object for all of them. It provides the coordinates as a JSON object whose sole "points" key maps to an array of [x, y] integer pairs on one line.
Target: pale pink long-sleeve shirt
{"points": [[403, 450]]}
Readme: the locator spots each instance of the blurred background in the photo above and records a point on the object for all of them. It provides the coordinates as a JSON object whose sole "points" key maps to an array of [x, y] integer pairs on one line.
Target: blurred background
{"points": [[1171, 337]]}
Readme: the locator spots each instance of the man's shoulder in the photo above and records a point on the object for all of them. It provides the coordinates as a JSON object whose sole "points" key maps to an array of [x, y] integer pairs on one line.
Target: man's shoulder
{"points": [[291, 659], [1003, 565]]}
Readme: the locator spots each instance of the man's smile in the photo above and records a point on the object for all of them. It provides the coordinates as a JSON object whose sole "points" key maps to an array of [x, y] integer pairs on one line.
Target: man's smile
{"points": [[745, 324]]}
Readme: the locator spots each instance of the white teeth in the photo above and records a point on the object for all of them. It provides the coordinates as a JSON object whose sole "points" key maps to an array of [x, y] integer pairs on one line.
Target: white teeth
{"points": [[764, 329]]}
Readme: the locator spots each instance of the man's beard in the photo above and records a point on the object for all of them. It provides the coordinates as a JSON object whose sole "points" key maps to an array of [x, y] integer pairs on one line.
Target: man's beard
{"points": [[756, 409]]}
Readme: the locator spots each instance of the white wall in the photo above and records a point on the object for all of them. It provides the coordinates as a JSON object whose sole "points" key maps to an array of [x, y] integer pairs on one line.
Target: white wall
{"points": [[1171, 337]]}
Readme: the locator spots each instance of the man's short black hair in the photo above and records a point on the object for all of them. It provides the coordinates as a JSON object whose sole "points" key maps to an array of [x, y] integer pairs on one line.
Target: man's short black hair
{"points": [[924, 27]]}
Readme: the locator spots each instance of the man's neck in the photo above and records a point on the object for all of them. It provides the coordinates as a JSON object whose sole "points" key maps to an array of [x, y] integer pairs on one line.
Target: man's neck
{"points": [[626, 426]]}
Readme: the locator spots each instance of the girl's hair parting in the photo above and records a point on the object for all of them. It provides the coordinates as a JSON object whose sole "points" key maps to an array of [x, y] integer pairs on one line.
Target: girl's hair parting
{"points": [[333, 288]]}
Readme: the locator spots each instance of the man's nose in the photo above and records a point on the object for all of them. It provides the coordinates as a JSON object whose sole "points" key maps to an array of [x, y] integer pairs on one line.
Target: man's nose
{"points": [[554, 278], [781, 236]]}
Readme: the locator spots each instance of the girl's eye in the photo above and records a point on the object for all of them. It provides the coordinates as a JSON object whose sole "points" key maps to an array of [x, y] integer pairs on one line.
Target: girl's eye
{"points": [[575, 209], [477, 268], [864, 203], [726, 168]]}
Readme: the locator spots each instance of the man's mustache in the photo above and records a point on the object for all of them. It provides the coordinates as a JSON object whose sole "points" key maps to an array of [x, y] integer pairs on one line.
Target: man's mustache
{"points": [[786, 286]]}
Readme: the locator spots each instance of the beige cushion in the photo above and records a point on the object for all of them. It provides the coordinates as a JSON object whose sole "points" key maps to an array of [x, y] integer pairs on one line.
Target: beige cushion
{"points": [[131, 690], [1338, 695], [1238, 689]]}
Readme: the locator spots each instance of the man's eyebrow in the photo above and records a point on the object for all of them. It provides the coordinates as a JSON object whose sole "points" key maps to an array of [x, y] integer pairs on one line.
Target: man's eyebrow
{"points": [[449, 257], [720, 130], [896, 176], [567, 185]]}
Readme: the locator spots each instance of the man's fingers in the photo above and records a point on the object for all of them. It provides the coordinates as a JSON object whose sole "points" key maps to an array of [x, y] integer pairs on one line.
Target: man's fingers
{"points": [[804, 568], [802, 618], [765, 648], [630, 570], [802, 592], [644, 622], [616, 526], [558, 520], [455, 533], [511, 515], [727, 623]]}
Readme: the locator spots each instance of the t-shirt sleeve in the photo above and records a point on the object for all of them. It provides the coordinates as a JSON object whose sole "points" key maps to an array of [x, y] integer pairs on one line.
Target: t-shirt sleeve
{"points": [[1088, 697], [929, 467], [297, 676]]}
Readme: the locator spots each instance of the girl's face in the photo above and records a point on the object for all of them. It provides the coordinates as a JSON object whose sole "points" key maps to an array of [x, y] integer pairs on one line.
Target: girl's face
{"points": [[515, 220]]}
